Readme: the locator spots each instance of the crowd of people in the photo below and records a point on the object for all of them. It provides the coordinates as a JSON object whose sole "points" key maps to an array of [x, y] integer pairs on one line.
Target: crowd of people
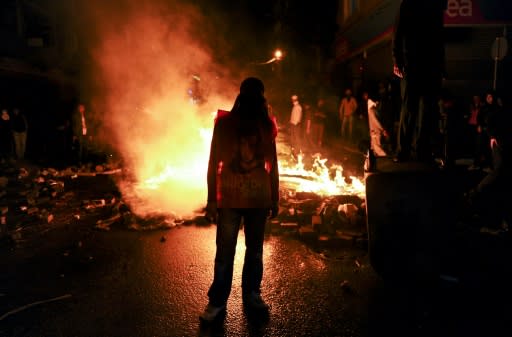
{"points": [[13, 133], [475, 131], [61, 139], [371, 117]]}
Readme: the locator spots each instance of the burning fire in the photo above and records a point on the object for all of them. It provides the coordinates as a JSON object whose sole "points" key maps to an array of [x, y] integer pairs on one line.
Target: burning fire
{"points": [[144, 56], [320, 179]]}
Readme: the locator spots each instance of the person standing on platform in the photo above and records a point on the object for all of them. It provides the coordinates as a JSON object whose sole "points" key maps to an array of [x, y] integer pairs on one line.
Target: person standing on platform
{"points": [[419, 60]]}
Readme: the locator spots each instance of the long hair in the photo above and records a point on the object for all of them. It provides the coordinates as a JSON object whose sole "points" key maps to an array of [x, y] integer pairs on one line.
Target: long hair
{"points": [[251, 105]]}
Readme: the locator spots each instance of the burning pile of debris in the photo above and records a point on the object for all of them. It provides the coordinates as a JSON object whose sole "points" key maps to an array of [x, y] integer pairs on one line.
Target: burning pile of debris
{"points": [[313, 217], [318, 203], [34, 200]]}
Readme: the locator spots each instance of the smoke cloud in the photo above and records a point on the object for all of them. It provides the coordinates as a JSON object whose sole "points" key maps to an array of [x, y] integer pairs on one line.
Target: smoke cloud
{"points": [[146, 57]]}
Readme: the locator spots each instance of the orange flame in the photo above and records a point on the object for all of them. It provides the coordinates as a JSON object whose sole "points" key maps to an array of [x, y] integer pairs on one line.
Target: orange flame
{"points": [[143, 63], [320, 179]]}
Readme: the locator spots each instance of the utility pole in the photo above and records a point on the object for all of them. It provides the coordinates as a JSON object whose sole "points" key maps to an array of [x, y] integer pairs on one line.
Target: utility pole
{"points": [[498, 51], [19, 19]]}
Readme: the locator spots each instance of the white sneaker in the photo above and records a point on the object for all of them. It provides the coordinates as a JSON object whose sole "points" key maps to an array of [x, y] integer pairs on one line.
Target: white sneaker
{"points": [[211, 312]]}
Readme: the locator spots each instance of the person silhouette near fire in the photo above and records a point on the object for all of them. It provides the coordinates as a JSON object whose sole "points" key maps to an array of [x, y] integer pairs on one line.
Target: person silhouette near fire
{"points": [[243, 185], [81, 132]]}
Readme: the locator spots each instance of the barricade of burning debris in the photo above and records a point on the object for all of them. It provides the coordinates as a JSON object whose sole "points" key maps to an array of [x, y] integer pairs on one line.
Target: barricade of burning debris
{"points": [[331, 219], [121, 216], [32, 198]]}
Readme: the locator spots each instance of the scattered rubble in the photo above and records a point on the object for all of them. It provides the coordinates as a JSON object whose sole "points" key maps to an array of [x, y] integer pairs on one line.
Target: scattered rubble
{"points": [[42, 197], [33, 198], [333, 220]]}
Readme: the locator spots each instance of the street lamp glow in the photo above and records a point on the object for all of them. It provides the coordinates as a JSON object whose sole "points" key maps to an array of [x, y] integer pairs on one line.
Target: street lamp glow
{"points": [[278, 54]]}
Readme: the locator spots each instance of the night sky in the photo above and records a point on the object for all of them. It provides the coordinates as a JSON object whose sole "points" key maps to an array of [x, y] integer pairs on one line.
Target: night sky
{"points": [[293, 23]]}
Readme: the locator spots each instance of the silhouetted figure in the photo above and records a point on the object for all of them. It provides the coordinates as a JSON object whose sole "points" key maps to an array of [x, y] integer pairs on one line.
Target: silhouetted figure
{"points": [[418, 55], [386, 113], [347, 113], [307, 131], [483, 151], [243, 185], [472, 127], [81, 132], [19, 131], [5, 136], [491, 197], [318, 123], [296, 117], [63, 136], [361, 131]]}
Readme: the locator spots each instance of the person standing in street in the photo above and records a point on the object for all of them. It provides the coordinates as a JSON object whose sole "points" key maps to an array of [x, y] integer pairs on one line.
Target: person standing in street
{"points": [[80, 132], [295, 125], [377, 131], [19, 131], [472, 128], [318, 123], [483, 151], [347, 110], [419, 60], [243, 186], [5, 136]]}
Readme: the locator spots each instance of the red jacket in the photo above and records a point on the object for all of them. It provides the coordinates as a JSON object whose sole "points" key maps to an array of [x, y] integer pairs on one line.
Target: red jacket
{"points": [[243, 170]]}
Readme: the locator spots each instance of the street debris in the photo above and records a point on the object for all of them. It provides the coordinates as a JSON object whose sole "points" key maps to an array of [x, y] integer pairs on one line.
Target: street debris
{"points": [[27, 306], [42, 197], [449, 278]]}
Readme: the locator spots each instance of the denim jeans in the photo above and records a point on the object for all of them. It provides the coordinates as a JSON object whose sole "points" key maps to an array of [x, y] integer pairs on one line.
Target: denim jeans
{"points": [[228, 226], [347, 127], [419, 115]]}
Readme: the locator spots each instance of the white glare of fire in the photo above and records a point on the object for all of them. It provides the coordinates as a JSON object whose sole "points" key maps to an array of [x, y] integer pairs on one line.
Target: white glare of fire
{"points": [[320, 179], [194, 169]]}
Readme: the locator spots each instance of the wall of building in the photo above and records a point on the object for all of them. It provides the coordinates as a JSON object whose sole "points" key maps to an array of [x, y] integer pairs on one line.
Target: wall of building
{"points": [[363, 43]]}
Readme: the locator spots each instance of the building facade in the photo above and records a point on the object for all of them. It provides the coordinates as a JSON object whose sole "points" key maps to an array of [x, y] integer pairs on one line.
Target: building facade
{"points": [[39, 69], [476, 32], [38, 45]]}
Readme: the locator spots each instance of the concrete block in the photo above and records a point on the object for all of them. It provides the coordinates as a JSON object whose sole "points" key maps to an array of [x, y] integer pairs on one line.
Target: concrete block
{"points": [[308, 233]]}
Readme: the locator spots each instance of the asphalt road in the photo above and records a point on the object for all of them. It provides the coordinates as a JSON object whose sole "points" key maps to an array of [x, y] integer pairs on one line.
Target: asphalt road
{"points": [[124, 283], [68, 279], [154, 284]]}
